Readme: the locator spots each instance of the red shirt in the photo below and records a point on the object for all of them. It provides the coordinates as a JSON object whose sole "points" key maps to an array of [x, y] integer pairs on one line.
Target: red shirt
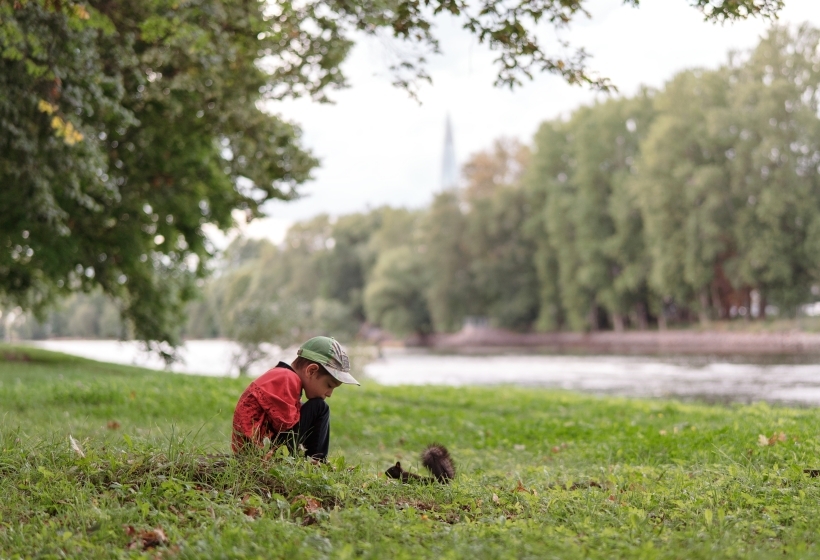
{"points": [[271, 404]]}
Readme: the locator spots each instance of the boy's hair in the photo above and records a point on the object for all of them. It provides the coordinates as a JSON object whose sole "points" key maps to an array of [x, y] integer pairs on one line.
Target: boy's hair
{"points": [[301, 363]]}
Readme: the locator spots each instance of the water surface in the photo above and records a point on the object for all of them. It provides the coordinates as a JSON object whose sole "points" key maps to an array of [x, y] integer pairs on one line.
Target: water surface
{"points": [[714, 379]]}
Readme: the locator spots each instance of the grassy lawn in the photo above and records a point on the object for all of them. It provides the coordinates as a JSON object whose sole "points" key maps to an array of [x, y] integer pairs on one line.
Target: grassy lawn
{"points": [[677, 480]]}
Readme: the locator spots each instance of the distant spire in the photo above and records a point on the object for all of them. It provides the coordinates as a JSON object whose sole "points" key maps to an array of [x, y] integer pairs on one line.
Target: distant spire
{"points": [[449, 171]]}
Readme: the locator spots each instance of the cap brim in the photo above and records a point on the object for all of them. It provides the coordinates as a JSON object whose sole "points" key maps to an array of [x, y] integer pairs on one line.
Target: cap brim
{"points": [[342, 376]]}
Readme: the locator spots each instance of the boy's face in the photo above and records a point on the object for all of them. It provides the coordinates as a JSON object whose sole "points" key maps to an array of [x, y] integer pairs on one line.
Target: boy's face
{"points": [[318, 383]]}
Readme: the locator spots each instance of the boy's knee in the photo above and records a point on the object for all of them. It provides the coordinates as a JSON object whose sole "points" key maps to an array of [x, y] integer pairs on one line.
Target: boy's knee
{"points": [[317, 405]]}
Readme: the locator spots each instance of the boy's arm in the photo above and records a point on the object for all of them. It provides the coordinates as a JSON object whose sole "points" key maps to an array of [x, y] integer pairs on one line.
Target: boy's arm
{"points": [[282, 408]]}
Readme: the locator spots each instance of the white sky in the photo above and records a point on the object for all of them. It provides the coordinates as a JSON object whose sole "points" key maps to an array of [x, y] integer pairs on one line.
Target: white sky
{"points": [[377, 146]]}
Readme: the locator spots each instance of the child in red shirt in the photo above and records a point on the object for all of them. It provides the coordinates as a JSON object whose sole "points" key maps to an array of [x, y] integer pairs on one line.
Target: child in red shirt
{"points": [[271, 406]]}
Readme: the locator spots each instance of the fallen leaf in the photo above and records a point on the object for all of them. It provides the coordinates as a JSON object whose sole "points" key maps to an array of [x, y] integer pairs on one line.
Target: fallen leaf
{"points": [[555, 449], [153, 538], [424, 517], [762, 440], [311, 505], [150, 538], [495, 497], [113, 425], [76, 446], [520, 487], [662, 432], [252, 512], [519, 447]]}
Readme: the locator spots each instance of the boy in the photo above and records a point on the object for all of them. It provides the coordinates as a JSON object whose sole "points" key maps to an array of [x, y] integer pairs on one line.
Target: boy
{"points": [[271, 406]]}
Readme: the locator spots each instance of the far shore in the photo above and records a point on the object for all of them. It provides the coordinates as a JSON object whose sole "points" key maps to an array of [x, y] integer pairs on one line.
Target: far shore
{"points": [[634, 342], [669, 342]]}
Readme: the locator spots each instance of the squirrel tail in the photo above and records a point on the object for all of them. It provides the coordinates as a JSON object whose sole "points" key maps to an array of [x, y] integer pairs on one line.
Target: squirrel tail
{"points": [[437, 459]]}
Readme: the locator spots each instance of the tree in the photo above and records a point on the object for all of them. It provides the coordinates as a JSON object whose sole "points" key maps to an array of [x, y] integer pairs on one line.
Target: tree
{"points": [[546, 174], [775, 182], [125, 128], [395, 296], [683, 191], [608, 225], [450, 295], [589, 238], [504, 279]]}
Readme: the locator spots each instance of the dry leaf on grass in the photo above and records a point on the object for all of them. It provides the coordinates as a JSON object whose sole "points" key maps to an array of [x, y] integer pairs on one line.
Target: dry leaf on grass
{"points": [[113, 425], [520, 487], [75, 445], [143, 540], [312, 507], [764, 441], [252, 512], [495, 497]]}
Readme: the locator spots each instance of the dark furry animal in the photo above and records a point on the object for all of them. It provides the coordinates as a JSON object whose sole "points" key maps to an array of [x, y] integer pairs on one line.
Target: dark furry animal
{"points": [[437, 460]]}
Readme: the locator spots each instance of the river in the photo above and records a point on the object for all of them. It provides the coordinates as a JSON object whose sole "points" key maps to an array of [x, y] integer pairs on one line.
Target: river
{"points": [[691, 377]]}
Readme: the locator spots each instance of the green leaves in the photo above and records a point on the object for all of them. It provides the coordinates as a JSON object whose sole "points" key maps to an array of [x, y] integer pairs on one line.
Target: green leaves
{"points": [[141, 132]]}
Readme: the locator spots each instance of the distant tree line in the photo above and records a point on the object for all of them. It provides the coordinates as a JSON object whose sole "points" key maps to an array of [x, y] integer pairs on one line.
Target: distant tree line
{"points": [[698, 201]]}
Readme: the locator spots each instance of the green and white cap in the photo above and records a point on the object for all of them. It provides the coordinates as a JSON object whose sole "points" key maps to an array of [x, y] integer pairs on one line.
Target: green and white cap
{"points": [[327, 352]]}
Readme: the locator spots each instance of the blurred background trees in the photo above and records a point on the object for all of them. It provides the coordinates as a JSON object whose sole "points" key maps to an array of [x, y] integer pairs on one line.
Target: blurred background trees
{"points": [[693, 203], [126, 128], [696, 202]]}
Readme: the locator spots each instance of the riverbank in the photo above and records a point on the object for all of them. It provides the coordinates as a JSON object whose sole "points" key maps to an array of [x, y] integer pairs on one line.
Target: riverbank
{"points": [[718, 342], [541, 473]]}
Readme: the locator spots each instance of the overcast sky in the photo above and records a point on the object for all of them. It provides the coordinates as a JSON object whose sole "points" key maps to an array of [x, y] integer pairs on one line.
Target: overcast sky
{"points": [[377, 146]]}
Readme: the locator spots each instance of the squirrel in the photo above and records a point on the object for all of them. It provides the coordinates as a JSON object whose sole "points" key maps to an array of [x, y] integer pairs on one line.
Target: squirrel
{"points": [[437, 460]]}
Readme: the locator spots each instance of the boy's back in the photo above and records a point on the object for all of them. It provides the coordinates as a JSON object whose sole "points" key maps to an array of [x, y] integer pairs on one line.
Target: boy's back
{"points": [[269, 405]]}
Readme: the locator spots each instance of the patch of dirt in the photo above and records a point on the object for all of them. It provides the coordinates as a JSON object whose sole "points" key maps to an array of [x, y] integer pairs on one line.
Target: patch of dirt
{"points": [[11, 356]]}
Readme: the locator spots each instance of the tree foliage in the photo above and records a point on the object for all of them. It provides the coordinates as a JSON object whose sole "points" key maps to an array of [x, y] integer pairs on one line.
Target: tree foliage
{"points": [[125, 128]]}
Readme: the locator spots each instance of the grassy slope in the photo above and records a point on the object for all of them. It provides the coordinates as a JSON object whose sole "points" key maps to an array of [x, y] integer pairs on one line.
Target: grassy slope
{"points": [[679, 480]]}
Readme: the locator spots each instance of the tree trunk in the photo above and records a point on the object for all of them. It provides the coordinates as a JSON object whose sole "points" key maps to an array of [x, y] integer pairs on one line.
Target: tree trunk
{"points": [[618, 322], [703, 312], [716, 301], [593, 318], [643, 320]]}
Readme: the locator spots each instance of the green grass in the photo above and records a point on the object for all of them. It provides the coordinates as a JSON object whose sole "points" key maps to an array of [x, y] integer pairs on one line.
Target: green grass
{"points": [[679, 480]]}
